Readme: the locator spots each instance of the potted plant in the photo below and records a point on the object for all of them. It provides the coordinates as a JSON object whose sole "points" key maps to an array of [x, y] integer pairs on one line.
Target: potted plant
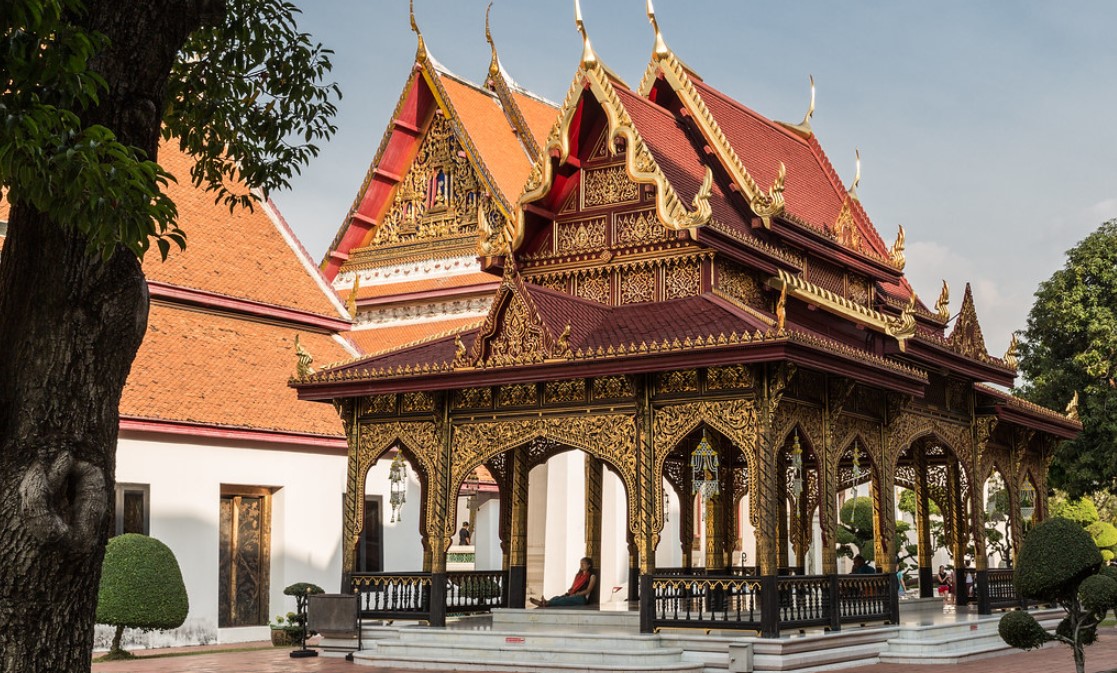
{"points": [[286, 631]]}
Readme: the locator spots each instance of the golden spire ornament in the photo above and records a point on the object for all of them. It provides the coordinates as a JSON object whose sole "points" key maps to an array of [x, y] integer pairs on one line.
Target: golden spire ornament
{"points": [[588, 56], [661, 49], [803, 128], [421, 52], [1011, 355], [856, 176], [896, 253], [302, 367], [494, 65], [781, 310], [942, 306]]}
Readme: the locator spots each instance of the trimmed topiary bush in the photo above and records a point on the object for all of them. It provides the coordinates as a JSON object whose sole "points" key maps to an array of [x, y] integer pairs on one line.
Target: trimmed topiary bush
{"points": [[141, 588], [1056, 556], [1021, 630], [1060, 563]]}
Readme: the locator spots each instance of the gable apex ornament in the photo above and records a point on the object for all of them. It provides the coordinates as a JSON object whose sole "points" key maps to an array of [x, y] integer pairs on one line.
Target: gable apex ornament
{"points": [[856, 176], [942, 306], [903, 328], [660, 49], [967, 338], [421, 50], [589, 57], [803, 128], [494, 64], [896, 252], [1011, 355]]}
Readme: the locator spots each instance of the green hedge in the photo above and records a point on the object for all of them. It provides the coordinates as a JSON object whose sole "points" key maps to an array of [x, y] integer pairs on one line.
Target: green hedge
{"points": [[141, 585]]}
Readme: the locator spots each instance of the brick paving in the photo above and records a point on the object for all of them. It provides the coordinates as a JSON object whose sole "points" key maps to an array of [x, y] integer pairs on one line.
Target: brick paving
{"points": [[1100, 658]]}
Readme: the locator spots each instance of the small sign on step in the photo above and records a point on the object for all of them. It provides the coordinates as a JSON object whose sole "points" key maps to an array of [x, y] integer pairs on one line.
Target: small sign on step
{"points": [[514, 640]]}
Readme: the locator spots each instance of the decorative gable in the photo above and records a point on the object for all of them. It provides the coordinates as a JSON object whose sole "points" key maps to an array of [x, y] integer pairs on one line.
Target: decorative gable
{"points": [[513, 334], [438, 195], [966, 337]]}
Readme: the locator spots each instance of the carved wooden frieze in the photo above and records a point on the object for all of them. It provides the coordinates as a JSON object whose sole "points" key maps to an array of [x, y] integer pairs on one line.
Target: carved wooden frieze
{"points": [[681, 381], [416, 402], [579, 236], [562, 392], [613, 388], [638, 285], [638, 228], [608, 186], [593, 286], [518, 395], [378, 405], [734, 377], [472, 398], [741, 284], [682, 279]]}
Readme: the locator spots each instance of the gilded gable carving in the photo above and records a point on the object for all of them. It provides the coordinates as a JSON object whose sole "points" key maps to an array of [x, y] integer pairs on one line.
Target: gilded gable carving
{"points": [[638, 285], [638, 228], [560, 283], [741, 284], [734, 377], [607, 186], [472, 398], [518, 338], [613, 388], [593, 286], [438, 194], [519, 395], [682, 279], [378, 405], [414, 402], [579, 236], [569, 390], [679, 381]]}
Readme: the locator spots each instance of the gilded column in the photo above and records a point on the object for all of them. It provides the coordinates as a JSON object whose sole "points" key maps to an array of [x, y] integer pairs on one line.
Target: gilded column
{"points": [[516, 557], [354, 492], [593, 509], [784, 539], [764, 483], [648, 478], [686, 518]]}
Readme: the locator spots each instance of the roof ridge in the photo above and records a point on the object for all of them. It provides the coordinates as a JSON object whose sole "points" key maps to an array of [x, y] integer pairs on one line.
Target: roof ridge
{"points": [[404, 347]]}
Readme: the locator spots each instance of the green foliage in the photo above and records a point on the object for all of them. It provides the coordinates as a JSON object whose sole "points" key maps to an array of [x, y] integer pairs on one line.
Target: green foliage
{"points": [[1057, 554], [1021, 630], [262, 81], [907, 503], [1098, 593], [1079, 510], [1068, 347], [1087, 635], [246, 100], [303, 589], [141, 585], [855, 527]]}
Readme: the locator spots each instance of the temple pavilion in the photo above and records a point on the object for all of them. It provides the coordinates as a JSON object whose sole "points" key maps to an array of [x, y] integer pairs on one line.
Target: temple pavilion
{"points": [[685, 291]]}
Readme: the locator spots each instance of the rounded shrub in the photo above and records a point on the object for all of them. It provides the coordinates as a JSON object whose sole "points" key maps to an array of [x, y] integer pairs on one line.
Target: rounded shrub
{"points": [[1086, 636], [141, 586], [1055, 557], [1104, 534], [1098, 593], [1108, 571], [1021, 630], [302, 589]]}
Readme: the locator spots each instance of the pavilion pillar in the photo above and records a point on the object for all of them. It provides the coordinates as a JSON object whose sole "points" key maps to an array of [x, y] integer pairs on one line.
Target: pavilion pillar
{"points": [[784, 539], [594, 487], [828, 516], [958, 534], [633, 569], [517, 478], [923, 526], [982, 430], [1015, 518], [764, 496], [353, 514], [727, 529], [686, 519], [884, 519]]}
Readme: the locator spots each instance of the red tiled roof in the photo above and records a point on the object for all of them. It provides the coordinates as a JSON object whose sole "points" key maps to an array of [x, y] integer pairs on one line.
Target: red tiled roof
{"points": [[677, 156], [381, 339], [492, 135], [539, 115], [813, 191], [243, 254], [218, 369]]}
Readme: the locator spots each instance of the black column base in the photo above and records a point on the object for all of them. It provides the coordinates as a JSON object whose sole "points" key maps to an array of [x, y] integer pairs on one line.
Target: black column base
{"points": [[926, 582], [981, 592], [438, 599], [769, 607], [517, 586], [633, 584], [647, 604]]}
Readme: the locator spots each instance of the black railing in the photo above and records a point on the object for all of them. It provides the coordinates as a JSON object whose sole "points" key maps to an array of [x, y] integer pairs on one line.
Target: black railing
{"points": [[1002, 591], [393, 595], [476, 591], [804, 601], [701, 601], [865, 598]]}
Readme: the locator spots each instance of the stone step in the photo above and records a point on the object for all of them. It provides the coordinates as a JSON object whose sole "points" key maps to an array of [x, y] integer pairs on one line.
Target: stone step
{"points": [[528, 639], [567, 617], [820, 651], [476, 652]]}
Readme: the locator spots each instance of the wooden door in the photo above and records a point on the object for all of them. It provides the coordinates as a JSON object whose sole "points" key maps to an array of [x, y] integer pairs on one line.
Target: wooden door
{"points": [[370, 554], [244, 558]]}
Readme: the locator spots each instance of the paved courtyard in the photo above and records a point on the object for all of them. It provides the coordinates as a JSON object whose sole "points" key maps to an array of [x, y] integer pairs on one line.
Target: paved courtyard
{"points": [[1100, 657]]}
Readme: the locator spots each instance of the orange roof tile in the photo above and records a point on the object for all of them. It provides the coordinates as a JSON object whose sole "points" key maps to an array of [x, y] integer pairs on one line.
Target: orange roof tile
{"points": [[491, 134], [218, 369], [379, 339], [539, 115], [243, 254], [423, 285]]}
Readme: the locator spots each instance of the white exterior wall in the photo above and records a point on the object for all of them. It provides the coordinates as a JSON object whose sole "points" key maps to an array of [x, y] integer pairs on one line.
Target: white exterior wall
{"points": [[185, 476]]}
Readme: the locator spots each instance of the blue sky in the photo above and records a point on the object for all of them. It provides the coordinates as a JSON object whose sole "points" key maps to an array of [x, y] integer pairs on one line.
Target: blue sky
{"points": [[985, 128]]}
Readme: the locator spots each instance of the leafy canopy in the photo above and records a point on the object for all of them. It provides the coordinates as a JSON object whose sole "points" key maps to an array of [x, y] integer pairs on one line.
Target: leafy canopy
{"points": [[247, 99], [141, 585], [1070, 345]]}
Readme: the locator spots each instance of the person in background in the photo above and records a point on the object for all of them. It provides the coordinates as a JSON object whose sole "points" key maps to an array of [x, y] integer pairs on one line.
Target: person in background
{"points": [[579, 592], [861, 567], [464, 536]]}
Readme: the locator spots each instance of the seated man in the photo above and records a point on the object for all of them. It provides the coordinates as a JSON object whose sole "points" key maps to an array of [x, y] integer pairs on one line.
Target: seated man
{"points": [[861, 567], [579, 592]]}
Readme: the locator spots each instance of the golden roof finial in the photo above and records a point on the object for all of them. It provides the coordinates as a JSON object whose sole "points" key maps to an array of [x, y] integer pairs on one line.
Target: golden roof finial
{"points": [[896, 253], [302, 367], [803, 128], [856, 175], [781, 309], [1072, 407], [421, 52], [494, 65], [588, 56], [942, 306], [661, 49], [1013, 351]]}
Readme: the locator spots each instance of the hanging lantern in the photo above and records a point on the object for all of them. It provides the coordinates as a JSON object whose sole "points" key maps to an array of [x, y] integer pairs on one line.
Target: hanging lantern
{"points": [[666, 506], [856, 468], [704, 468], [1027, 501], [796, 467], [398, 476]]}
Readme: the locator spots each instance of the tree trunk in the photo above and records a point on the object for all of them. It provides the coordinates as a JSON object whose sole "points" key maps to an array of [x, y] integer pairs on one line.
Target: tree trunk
{"points": [[72, 323], [117, 636]]}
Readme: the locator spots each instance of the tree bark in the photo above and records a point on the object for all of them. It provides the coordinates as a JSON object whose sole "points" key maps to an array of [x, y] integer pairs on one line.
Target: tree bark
{"points": [[72, 323]]}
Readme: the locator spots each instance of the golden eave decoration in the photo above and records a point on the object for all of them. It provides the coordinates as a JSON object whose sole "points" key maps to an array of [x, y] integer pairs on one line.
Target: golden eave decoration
{"points": [[896, 253], [765, 204], [803, 128], [640, 164], [1011, 357], [942, 306], [901, 328]]}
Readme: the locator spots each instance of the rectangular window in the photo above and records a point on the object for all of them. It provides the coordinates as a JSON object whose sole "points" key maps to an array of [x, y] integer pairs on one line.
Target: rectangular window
{"points": [[133, 509]]}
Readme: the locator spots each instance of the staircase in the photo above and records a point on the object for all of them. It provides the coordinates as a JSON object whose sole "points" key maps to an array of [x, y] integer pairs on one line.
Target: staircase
{"points": [[544, 641], [957, 642]]}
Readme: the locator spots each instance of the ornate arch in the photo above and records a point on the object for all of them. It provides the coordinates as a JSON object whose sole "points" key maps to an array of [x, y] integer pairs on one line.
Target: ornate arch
{"points": [[610, 438]]}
